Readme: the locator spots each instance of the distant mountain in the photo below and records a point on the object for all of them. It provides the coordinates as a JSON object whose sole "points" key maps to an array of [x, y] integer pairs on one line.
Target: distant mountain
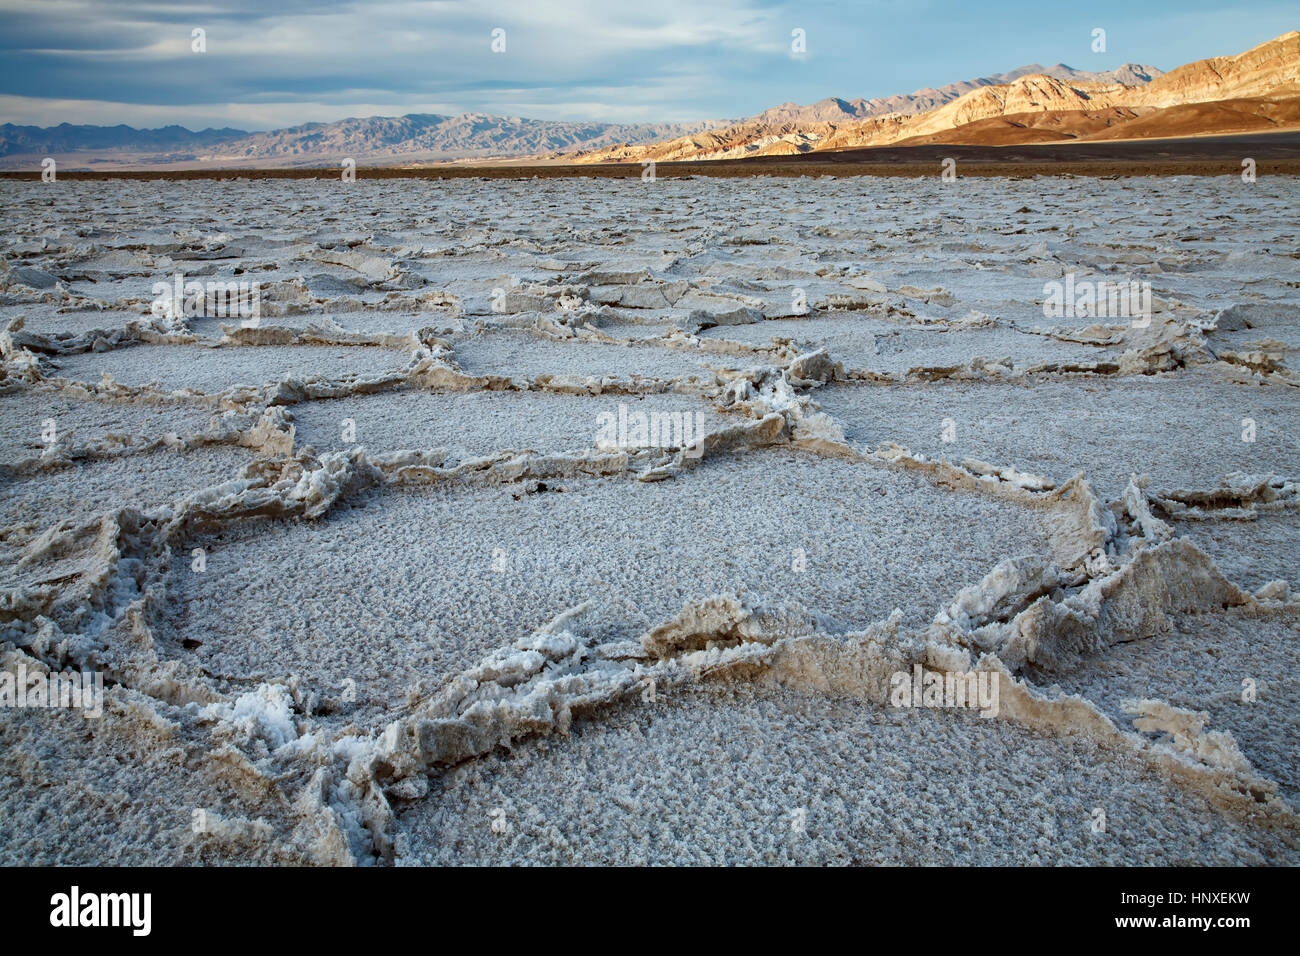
{"points": [[415, 137], [1269, 70], [1032, 104], [834, 110], [452, 137], [66, 138]]}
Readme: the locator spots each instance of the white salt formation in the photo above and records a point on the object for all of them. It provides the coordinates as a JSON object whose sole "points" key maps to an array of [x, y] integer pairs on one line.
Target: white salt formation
{"points": [[365, 588]]}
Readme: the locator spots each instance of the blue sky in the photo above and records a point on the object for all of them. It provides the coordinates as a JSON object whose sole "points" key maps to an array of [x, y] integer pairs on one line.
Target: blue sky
{"points": [[273, 63]]}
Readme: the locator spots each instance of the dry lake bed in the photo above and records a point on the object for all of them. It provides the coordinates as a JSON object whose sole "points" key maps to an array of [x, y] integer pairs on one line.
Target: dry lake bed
{"points": [[798, 520]]}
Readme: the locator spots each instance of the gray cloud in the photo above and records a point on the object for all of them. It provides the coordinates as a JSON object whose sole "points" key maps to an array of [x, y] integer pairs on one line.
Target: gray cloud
{"points": [[570, 59]]}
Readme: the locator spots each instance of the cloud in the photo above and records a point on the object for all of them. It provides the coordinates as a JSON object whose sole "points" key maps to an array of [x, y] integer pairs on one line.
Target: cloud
{"points": [[137, 60], [280, 63]]}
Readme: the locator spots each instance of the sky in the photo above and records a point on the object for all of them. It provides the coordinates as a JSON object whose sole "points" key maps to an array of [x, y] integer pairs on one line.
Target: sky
{"points": [[274, 63]]}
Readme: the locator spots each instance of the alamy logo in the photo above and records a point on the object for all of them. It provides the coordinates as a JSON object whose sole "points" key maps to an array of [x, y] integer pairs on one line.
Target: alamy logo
{"points": [[83, 690], [922, 688], [103, 909], [1127, 300], [232, 299], [633, 429]]}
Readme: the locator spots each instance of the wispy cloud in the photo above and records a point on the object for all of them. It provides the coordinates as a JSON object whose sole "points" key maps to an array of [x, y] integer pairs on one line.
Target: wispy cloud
{"points": [[293, 61]]}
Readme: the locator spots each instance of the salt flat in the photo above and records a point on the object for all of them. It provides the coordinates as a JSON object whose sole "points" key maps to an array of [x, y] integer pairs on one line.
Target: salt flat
{"points": [[592, 520]]}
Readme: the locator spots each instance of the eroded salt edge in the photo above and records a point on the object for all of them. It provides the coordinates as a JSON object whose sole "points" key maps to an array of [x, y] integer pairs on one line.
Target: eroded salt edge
{"points": [[1124, 569]]}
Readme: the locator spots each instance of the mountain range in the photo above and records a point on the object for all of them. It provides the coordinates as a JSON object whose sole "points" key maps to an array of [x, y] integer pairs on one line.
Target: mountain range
{"points": [[834, 110], [1258, 90], [417, 137]]}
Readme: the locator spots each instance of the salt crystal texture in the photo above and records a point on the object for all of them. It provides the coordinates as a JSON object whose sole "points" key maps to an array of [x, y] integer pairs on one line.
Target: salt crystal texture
{"points": [[366, 587]]}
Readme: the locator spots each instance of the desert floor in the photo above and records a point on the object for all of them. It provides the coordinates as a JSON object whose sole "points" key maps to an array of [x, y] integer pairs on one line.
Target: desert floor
{"points": [[389, 573]]}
